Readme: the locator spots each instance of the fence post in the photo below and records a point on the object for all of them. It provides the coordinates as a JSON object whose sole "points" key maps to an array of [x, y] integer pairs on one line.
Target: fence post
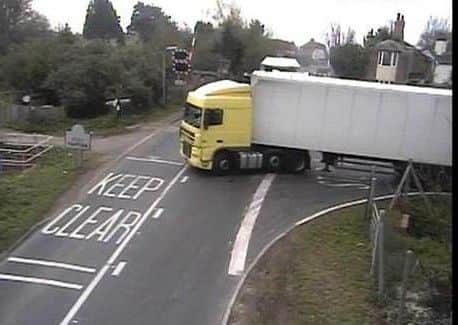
{"points": [[370, 198], [380, 249], [405, 276]]}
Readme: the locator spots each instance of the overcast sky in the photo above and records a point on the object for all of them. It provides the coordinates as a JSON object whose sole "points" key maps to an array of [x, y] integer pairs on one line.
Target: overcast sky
{"points": [[292, 20]]}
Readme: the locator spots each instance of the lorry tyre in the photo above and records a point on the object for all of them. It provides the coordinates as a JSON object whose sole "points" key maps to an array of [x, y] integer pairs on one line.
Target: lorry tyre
{"points": [[274, 161], [222, 163]]}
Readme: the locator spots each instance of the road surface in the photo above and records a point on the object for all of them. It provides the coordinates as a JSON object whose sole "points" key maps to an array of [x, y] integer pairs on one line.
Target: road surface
{"points": [[155, 242]]}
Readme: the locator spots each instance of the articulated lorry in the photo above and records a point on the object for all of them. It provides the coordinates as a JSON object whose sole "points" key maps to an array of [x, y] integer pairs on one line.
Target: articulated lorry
{"points": [[274, 123]]}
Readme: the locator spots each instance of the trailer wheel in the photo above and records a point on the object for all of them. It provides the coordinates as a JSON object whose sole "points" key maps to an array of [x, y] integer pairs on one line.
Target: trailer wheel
{"points": [[297, 162], [273, 161], [222, 163]]}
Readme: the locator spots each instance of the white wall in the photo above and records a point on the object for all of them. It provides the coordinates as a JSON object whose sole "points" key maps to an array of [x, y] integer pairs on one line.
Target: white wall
{"points": [[442, 73]]}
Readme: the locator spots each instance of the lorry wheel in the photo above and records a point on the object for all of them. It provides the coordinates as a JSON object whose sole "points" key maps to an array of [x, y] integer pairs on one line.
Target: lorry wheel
{"points": [[222, 163], [274, 161]]}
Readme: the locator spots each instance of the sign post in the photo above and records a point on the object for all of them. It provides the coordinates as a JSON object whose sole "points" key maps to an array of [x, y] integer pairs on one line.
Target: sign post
{"points": [[78, 140]]}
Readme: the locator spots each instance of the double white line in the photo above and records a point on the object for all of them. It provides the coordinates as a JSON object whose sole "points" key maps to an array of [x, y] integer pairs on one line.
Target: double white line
{"points": [[48, 282]]}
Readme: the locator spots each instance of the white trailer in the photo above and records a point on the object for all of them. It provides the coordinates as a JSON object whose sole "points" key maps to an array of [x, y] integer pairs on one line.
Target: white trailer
{"points": [[349, 117]]}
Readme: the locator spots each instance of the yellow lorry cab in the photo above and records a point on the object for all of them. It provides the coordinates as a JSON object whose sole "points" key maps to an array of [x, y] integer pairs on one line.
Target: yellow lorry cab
{"points": [[217, 116], [216, 131]]}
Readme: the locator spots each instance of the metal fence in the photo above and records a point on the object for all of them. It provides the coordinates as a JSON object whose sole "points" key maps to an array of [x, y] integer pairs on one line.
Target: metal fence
{"points": [[21, 150], [405, 288]]}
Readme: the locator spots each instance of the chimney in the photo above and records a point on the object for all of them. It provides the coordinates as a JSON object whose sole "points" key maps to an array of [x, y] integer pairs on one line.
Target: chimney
{"points": [[398, 31]]}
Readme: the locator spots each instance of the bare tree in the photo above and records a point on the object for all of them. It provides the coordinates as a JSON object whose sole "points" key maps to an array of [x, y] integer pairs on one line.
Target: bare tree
{"points": [[435, 28]]}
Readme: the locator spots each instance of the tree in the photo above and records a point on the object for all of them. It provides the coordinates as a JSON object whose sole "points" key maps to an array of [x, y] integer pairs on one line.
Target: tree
{"points": [[349, 38], [371, 39], [257, 45], [155, 27], [334, 37], [65, 34], [231, 46], [349, 61], [27, 66], [19, 22], [102, 21], [205, 53], [435, 28], [82, 82], [35, 26]]}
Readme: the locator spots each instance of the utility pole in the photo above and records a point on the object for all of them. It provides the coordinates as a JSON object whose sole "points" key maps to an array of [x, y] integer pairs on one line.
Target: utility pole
{"points": [[164, 81], [164, 73]]}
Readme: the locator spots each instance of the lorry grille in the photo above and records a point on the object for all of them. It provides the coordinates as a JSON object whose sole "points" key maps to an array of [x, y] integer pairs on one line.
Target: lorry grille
{"points": [[187, 148], [187, 136]]}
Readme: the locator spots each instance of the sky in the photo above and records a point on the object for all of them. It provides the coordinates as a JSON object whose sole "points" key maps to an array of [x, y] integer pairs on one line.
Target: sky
{"points": [[291, 20]]}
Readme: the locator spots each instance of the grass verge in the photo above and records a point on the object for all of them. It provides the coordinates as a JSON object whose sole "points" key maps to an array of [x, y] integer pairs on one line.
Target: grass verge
{"points": [[319, 273], [105, 125], [25, 197]]}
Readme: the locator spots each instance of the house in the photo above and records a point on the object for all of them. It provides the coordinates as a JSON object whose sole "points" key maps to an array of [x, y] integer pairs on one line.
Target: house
{"points": [[314, 58], [442, 62], [396, 61], [280, 63], [284, 48]]}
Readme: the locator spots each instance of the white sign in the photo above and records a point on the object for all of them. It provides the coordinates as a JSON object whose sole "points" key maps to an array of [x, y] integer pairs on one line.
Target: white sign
{"points": [[77, 138], [179, 82]]}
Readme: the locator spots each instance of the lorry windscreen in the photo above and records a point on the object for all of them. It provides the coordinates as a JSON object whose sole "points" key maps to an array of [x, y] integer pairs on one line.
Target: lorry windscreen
{"points": [[192, 115]]}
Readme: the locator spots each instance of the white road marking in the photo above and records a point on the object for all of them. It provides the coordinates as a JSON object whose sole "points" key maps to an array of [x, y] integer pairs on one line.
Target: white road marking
{"points": [[240, 248], [184, 179], [357, 185], [159, 161], [118, 269], [75, 308], [158, 213], [73, 267], [52, 283]]}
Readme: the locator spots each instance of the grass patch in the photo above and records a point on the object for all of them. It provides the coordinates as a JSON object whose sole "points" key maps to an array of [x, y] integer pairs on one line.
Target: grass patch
{"points": [[430, 238], [108, 124], [25, 197], [318, 274]]}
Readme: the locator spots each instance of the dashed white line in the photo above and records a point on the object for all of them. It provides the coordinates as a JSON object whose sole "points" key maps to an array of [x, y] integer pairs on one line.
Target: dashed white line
{"points": [[159, 161], [158, 213], [88, 290], [52, 283], [40, 262], [240, 248], [118, 269], [184, 179]]}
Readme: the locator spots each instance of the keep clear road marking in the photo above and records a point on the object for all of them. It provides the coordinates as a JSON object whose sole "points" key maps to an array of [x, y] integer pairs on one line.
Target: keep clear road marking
{"points": [[117, 271], [153, 160], [88, 290], [240, 249], [52, 283], [51, 264]]}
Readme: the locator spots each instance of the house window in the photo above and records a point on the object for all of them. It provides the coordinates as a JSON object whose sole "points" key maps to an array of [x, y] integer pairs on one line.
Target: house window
{"points": [[394, 59], [388, 58]]}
